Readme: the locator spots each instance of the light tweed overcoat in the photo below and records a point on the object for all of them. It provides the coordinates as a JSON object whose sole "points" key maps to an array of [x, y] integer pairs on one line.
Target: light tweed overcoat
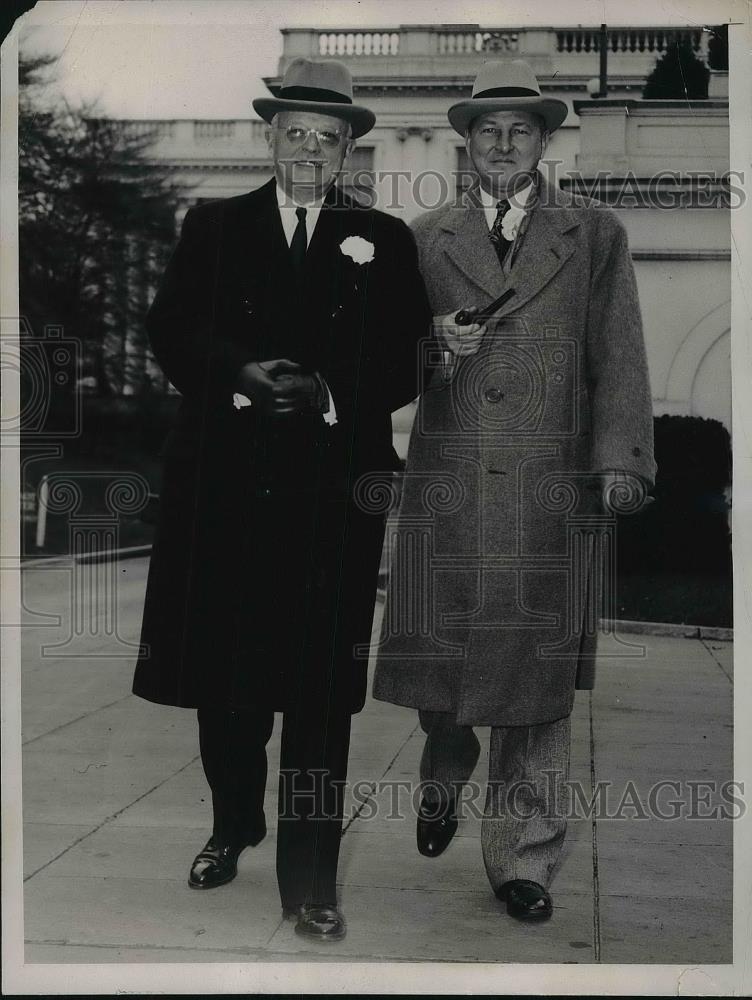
{"points": [[502, 543]]}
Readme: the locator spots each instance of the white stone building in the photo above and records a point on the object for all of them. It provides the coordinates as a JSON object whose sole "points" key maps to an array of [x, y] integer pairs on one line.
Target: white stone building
{"points": [[662, 164]]}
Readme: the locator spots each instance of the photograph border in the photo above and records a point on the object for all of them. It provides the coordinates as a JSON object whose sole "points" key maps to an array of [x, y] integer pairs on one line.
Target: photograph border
{"points": [[399, 977]]}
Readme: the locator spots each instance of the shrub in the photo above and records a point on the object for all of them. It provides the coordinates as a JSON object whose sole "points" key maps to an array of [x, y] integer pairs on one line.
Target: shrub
{"points": [[678, 76], [687, 526]]}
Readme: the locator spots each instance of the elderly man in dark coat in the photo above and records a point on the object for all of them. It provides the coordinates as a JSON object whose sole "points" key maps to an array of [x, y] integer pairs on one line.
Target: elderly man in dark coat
{"points": [[274, 320], [537, 423]]}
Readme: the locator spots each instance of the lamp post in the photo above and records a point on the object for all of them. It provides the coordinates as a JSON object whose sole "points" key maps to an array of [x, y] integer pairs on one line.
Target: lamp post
{"points": [[603, 52], [598, 86]]}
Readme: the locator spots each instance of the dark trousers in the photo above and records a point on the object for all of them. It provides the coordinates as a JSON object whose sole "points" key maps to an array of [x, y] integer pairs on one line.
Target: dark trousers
{"points": [[313, 771]]}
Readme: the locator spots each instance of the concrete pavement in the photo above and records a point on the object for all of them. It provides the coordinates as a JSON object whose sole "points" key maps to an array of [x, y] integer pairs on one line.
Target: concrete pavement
{"points": [[115, 807]]}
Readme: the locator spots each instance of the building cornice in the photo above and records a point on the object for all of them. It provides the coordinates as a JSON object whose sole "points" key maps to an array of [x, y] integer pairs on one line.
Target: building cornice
{"points": [[214, 166], [682, 255], [679, 109], [666, 190], [431, 82]]}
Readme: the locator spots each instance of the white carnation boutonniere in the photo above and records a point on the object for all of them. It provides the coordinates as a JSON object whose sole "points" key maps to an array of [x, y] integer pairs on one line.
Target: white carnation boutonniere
{"points": [[361, 251], [510, 224]]}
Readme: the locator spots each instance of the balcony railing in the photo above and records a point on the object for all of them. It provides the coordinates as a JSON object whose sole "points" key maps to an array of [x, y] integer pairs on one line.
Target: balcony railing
{"points": [[359, 43], [456, 40], [211, 131], [470, 42], [387, 43], [650, 40], [155, 130], [205, 139]]}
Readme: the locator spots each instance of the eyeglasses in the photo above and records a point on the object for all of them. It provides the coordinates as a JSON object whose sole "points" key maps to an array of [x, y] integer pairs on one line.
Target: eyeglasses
{"points": [[296, 135]]}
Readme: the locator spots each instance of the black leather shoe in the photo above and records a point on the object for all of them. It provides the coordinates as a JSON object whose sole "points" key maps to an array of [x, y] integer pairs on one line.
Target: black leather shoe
{"points": [[526, 900], [317, 921], [216, 864], [437, 825]]}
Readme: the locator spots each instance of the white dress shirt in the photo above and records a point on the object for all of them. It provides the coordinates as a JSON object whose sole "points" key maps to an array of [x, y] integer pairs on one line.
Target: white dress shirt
{"points": [[287, 210], [518, 200]]}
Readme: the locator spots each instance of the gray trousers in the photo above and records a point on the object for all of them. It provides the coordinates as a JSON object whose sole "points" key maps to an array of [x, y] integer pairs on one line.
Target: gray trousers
{"points": [[524, 820]]}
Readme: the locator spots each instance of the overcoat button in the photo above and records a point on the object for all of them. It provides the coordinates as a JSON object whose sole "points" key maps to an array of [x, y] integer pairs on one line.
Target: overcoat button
{"points": [[493, 395]]}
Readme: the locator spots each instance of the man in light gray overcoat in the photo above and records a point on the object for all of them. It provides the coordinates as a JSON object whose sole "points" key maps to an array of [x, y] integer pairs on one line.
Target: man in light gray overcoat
{"points": [[535, 427]]}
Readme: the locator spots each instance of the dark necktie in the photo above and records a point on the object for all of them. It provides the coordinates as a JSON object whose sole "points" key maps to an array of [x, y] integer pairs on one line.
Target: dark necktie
{"points": [[299, 242], [500, 243]]}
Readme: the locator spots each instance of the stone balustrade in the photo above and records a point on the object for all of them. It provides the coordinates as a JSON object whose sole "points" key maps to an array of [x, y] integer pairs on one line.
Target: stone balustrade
{"points": [[152, 129], [358, 43], [205, 140], [563, 59], [213, 131], [472, 40], [640, 40]]}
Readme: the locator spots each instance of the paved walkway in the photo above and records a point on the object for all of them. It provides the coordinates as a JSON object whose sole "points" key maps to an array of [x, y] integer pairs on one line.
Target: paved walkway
{"points": [[115, 807]]}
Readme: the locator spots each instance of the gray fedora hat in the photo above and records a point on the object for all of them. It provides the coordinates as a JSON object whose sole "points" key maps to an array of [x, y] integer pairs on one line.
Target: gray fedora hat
{"points": [[324, 87], [506, 85]]}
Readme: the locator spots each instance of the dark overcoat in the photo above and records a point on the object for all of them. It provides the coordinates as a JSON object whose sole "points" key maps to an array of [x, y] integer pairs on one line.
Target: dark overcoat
{"points": [[263, 572], [503, 553]]}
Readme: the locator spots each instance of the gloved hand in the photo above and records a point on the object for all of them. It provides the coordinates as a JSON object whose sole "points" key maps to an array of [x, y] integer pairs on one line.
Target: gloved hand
{"points": [[279, 387]]}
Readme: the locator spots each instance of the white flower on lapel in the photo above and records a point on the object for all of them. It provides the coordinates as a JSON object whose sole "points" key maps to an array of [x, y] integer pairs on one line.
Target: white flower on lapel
{"points": [[510, 224], [359, 249]]}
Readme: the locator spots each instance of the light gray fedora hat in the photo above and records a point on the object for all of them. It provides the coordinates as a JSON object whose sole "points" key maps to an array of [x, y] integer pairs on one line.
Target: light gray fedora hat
{"points": [[506, 85], [324, 87]]}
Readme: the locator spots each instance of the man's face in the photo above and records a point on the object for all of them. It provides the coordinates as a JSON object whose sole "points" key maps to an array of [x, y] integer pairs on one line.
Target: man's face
{"points": [[504, 147], [306, 163]]}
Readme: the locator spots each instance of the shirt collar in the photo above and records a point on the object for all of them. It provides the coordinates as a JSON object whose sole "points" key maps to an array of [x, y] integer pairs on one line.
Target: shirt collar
{"points": [[518, 200], [287, 208], [286, 202]]}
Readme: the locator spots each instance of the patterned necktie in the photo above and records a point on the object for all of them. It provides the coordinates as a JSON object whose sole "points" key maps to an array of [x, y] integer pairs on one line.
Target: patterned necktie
{"points": [[500, 243], [299, 242]]}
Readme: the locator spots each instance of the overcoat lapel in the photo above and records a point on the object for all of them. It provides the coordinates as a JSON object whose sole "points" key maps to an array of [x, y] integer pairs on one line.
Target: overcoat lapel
{"points": [[470, 249], [254, 229], [322, 285], [334, 285], [255, 240], [321, 269], [255, 270], [544, 250], [286, 313]]}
